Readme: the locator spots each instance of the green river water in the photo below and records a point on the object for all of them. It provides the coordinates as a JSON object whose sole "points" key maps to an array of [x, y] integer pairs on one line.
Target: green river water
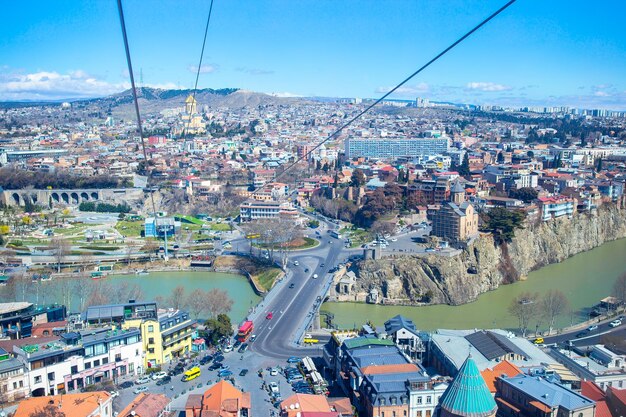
{"points": [[584, 279]]}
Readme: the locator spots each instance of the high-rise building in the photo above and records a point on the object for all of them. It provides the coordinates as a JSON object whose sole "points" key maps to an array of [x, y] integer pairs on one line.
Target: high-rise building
{"points": [[388, 148]]}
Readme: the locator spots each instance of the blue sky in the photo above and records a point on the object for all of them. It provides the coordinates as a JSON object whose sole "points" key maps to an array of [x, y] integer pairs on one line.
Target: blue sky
{"points": [[553, 52]]}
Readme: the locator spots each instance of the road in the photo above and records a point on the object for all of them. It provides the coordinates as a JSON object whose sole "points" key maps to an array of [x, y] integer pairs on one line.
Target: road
{"points": [[584, 337], [292, 307]]}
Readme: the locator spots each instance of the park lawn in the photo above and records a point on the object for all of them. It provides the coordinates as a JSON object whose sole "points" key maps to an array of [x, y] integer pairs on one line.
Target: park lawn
{"points": [[298, 244], [190, 219], [220, 227], [73, 230], [130, 229], [265, 280]]}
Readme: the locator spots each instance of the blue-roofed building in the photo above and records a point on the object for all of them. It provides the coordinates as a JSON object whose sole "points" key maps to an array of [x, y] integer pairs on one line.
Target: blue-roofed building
{"points": [[405, 335], [525, 395], [468, 395], [382, 381]]}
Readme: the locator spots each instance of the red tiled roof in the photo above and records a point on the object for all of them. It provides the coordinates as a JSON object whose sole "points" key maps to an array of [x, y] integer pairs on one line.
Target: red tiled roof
{"points": [[592, 391]]}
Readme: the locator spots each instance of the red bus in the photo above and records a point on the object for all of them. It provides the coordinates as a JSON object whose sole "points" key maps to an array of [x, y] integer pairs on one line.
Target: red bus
{"points": [[245, 331]]}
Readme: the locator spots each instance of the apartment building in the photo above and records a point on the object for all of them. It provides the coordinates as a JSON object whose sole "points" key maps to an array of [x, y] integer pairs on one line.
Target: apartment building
{"points": [[256, 210], [88, 404], [165, 337], [556, 206], [392, 148], [13, 379], [78, 359], [535, 396]]}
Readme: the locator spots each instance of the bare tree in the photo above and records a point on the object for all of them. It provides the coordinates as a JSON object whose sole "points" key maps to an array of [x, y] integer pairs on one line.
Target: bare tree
{"points": [[553, 304], [60, 248], [176, 300], [218, 302], [380, 227], [81, 288], [196, 302], [523, 307], [619, 288], [124, 291], [100, 293]]}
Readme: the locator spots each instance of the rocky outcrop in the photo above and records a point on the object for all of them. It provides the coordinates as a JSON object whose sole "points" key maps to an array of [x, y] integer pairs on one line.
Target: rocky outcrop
{"points": [[483, 266]]}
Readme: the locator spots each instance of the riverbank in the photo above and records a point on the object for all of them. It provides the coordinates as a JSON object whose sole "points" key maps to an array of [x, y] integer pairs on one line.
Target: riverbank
{"points": [[584, 279], [483, 266]]}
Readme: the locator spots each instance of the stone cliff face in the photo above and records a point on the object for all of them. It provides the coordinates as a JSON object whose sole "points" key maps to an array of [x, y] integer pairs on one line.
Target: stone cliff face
{"points": [[482, 266]]}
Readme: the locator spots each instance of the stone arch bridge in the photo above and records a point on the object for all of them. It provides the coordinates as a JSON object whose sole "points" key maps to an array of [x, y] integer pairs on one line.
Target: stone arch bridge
{"points": [[69, 197]]}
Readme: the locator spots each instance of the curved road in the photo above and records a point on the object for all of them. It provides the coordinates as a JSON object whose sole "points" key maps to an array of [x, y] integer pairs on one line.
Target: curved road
{"points": [[290, 307]]}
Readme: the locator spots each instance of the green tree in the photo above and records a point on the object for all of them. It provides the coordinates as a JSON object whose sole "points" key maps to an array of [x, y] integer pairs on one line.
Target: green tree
{"points": [[358, 178], [526, 194], [599, 165], [464, 168], [218, 327], [502, 223]]}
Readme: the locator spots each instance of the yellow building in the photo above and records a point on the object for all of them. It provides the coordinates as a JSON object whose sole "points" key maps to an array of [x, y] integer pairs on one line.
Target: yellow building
{"points": [[191, 121], [164, 338]]}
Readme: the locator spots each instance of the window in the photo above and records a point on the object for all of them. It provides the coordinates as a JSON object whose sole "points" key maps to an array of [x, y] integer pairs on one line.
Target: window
{"points": [[50, 376], [151, 340], [428, 399], [419, 400], [150, 328], [87, 365], [151, 350], [105, 361], [74, 370], [131, 367], [382, 401], [96, 363], [15, 385], [38, 379], [118, 357], [21, 384]]}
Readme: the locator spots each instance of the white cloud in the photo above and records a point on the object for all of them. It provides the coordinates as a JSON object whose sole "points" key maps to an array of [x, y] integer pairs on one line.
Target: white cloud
{"points": [[285, 94], [410, 90], [254, 71], [50, 85], [487, 86], [205, 69], [601, 94]]}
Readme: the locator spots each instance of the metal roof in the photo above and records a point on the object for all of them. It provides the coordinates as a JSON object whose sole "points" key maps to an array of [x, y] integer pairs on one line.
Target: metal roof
{"points": [[492, 345], [550, 394], [468, 395]]}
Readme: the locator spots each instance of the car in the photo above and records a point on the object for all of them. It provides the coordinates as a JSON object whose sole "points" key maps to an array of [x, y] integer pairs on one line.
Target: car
{"points": [[581, 334], [615, 323], [314, 276], [143, 380], [237, 344], [165, 380], [592, 328], [243, 372], [243, 348], [224, 373], [219, 357], [394, 239], [306, 269], [215, 366], [269, 316], [292, 285], [294, 359], [296, 263], [252, 338], [159, 375], [125, 384], [206, 359], [228, 348], [322, 265], [114, 394], [139, 390], [274, 387], [538, 341]]}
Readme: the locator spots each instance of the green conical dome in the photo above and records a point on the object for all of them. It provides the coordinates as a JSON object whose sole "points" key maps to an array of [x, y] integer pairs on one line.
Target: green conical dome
{"points": [[468, 395]]}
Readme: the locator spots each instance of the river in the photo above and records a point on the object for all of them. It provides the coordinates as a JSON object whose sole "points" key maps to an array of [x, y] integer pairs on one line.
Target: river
{"points": [[584, 278], [161, 284]]}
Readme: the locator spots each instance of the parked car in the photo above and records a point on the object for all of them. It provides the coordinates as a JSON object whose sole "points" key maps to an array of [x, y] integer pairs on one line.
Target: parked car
{"points": [[125, 384], [114, 394], [219, 357], [243, 372], [294, 359], [243, 348], [159, 375], [224, 373], [273, 372], [615, 323], [206, 359], [165, 380], [142, 380], [139, 390], [228, 348], [274, 387], [592, 328], [252, 338], [215, 366]]}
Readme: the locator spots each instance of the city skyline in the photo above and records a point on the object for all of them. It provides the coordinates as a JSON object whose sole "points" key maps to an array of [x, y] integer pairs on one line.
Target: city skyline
{"points": [[557, 55]]}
